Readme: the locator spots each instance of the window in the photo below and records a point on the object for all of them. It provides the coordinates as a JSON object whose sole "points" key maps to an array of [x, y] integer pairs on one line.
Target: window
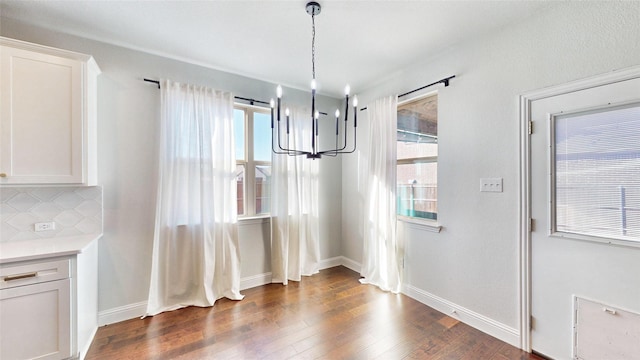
{"points": [[253, 159], [417, 158], [597, 162]]}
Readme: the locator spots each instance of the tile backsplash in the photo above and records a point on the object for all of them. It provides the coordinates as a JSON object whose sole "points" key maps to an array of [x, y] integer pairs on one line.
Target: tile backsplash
{"points": [[75, 211]]}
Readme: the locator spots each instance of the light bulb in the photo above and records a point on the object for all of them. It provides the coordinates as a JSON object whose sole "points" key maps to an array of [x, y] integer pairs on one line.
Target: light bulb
{"points": [[347, 89], [317, 114], [279, 91], [337, 113], [355, 101], [286, 111], [313, 84], [272, 103]]}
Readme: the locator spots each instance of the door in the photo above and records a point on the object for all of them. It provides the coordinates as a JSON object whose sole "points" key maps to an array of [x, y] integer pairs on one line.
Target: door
{"points": [[584, 179]]}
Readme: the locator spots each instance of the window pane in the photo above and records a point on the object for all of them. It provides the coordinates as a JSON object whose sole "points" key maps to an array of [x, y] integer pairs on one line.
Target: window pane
{"points": [[418, 128], [238, 128], [597, 181], [240, 175], [418, 190], [261, 137], [417, 170], [263, 189]]}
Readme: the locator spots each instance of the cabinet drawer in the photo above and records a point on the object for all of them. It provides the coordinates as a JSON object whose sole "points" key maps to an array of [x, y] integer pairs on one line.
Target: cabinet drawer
{"points": [[37, 272], [36, 321]]}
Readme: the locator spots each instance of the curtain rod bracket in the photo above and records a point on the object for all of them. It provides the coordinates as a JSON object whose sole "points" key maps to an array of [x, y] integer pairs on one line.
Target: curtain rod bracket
{"points": [[153, 81]]}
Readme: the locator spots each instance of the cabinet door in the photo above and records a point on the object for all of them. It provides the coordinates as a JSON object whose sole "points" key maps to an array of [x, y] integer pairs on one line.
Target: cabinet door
{"points": [[35, 321], [41, 118]]}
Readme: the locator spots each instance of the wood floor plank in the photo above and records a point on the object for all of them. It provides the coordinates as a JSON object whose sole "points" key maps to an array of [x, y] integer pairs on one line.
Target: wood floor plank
{"points": [[327, 316]]}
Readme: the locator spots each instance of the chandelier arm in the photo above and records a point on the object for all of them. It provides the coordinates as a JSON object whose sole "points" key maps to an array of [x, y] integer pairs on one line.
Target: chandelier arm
{"points": [[326, 152], [284, 150], [291, 152], [339, 150], [344, 146], [277, 130]]}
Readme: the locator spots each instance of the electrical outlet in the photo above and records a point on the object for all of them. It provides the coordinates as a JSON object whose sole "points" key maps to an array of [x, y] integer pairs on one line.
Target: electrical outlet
{"points": [[45, 226], [491, 185]]}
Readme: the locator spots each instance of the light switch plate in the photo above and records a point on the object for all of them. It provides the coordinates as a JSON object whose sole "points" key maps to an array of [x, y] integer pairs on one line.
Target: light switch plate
{"points": [[491, 184]]}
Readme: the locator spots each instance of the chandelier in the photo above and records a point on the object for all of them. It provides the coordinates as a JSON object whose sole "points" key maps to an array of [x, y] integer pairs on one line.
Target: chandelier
{"points": [[313, 9]]}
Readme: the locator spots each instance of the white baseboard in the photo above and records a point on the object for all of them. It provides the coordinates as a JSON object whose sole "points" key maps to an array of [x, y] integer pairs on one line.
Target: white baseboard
{"points": [[139, 309], [85, 348], [330, 262], [353, 265], [255, 280], [122, 313], [487, 325]]}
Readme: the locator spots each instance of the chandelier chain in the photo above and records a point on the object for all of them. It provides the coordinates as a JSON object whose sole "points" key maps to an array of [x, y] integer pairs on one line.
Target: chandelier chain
{"points": [[313, 45]]}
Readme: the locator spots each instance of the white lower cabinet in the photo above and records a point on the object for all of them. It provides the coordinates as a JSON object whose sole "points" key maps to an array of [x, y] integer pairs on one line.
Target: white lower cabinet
{"points": [[36, 321], [48, 307]]}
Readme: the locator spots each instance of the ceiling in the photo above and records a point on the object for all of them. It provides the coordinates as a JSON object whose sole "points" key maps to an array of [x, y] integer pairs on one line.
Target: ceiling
{"points": [[357, 42]]}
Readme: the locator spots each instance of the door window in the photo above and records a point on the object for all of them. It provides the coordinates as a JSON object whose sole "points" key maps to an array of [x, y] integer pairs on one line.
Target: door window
{"points": [[597, 172]]}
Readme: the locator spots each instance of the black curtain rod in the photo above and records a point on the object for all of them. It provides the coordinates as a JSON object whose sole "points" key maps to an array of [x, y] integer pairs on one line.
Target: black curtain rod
{"points": [[444, 81], [250, 101]]}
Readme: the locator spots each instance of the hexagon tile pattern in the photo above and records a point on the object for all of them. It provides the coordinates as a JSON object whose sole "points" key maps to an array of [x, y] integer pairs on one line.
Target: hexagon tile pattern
{"points": [[75, 210]]}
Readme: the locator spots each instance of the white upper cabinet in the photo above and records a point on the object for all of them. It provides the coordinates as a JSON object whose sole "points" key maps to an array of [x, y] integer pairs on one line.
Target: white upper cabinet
{"points": [[47, 115]]}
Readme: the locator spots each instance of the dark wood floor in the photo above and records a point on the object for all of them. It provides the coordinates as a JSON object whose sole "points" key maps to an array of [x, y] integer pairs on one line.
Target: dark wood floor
{"points": [[326, 316]]}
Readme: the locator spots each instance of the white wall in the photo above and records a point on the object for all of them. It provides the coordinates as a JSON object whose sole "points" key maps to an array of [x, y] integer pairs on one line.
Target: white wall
{"points": [[473, 264], [128, 117]]}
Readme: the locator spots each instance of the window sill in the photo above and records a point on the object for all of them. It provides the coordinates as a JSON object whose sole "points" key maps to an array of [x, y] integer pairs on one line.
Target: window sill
{"points": [[421, 224], [254, 219], [597, 239]]}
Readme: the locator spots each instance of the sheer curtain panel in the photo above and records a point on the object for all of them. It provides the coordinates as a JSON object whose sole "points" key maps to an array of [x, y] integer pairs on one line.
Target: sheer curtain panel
{"points": [[195, 247], [295, 246], [381, 250]]}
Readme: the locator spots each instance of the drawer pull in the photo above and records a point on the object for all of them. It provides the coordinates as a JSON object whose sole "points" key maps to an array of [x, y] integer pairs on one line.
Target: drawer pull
{"points": [[609, 311], [3, 175], [20, 276]]}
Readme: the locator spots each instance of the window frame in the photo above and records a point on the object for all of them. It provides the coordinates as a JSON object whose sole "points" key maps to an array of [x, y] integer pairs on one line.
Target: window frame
{"points": [[249, 186], [419, 223], [553, 211]]}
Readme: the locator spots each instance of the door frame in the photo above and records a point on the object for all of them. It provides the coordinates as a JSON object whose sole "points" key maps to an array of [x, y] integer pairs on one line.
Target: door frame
{"points": [[526, 100]]}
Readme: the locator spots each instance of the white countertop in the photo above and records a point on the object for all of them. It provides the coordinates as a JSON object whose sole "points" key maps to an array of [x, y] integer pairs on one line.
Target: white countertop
{"points": [[44, 248]]}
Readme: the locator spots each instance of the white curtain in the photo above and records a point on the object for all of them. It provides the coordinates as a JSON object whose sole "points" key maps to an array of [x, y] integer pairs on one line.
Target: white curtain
{"points": [[381, 251], [195, 247], [295, 247]]}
